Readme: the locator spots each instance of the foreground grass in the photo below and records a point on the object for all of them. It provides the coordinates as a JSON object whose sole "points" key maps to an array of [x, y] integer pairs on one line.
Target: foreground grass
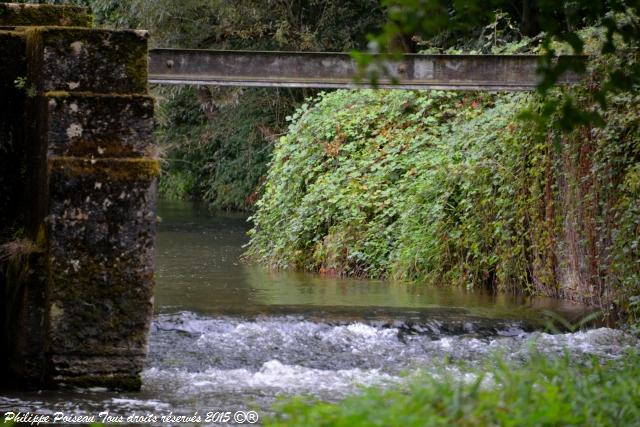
{"points": [[542, 393]]}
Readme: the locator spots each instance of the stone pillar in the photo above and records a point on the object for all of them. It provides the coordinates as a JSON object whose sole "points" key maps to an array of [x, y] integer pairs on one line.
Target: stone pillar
{"points": [[86, 302]]}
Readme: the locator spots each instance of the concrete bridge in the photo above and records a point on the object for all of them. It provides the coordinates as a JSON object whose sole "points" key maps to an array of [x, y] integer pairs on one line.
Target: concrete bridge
{"points": [[78, 176], [340, 71]]}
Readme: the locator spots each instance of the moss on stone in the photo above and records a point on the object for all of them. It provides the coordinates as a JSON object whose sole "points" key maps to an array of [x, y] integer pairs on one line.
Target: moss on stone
{"points": [[41, 235], [112, 169], [98, 125], [93, 60], [87, 283], [15, 14], [34, 53], [66, 94], [61, 94]]}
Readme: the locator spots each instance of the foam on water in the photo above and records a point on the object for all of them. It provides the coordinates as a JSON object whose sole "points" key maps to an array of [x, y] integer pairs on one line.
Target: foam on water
{"points": [[220, 363], [185, 341], [273, 377]]}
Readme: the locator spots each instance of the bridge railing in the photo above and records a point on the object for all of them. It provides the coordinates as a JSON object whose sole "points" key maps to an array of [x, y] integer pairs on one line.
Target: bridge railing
{"points": [[339, 70]]}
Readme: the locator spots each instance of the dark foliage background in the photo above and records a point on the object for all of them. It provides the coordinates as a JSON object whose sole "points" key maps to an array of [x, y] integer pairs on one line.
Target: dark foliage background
{"points": [[218, 141]]}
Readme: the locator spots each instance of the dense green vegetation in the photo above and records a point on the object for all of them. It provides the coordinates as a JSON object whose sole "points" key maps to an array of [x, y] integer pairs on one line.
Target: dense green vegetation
{"points": [[440, 24], [221, 157], [217, 141], [542, 393], [454, 188], [432, 187]]}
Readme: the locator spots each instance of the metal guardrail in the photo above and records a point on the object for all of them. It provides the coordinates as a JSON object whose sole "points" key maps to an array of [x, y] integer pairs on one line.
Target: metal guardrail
{"points": [[339, 70]]}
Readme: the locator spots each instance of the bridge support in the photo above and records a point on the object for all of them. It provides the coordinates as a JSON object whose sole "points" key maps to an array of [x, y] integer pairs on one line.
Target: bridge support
{"points": [[78, 183]]}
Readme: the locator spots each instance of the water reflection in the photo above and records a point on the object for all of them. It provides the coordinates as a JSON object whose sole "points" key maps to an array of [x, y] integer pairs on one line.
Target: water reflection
{"points": [[199, 269]]}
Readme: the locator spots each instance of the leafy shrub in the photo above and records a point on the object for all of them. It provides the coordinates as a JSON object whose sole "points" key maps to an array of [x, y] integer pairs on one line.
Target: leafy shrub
{"points": [[454, 188], [389, 183]]}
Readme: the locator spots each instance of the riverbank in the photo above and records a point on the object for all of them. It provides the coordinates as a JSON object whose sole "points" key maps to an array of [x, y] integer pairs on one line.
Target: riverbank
{"points": [[455, 189], [559, 392]]}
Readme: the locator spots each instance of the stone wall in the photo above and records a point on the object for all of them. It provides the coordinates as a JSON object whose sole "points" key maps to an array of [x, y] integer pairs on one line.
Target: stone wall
{"points": [[78, 283]]}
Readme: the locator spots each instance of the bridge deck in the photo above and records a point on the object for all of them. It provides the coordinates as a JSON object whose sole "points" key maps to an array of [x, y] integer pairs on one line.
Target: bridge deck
{"points": [[339, 70]]}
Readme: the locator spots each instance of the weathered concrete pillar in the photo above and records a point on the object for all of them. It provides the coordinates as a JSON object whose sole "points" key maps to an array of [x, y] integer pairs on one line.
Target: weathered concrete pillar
{"points": [[83, 296]]}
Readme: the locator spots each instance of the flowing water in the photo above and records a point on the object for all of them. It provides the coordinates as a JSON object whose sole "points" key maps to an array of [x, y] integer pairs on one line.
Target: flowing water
{"points": [[229, 336]]}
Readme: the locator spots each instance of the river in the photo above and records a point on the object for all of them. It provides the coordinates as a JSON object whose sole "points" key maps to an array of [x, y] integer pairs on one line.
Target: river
{"points": [[230, 336]]}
